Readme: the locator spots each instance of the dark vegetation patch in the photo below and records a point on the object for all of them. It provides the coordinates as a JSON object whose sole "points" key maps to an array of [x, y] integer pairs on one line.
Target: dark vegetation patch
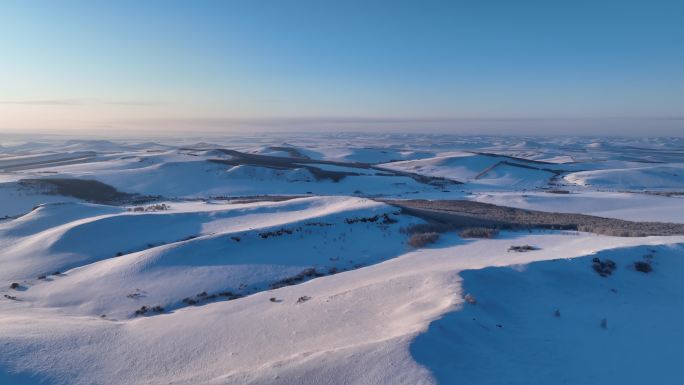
{"points": [[14, 285], [463, 214], [205, 297], [255, 198], [150, 208], [604, 267], [423, 239], [318, 224], [557, 191], [274, 233], [469, 298], [85, 189], [643, 266], [43, 277], [303, 299], [664, 193], [300, 277], [144, 310], [478, 232], [11, 297], [307, 274], [522, 248], [383, 218]]}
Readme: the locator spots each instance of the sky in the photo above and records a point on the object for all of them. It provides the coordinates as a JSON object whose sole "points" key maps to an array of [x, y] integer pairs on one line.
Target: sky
{"points": [[487, 66]]}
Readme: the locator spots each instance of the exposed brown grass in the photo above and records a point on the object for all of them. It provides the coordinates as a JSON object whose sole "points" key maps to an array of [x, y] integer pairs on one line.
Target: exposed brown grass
{"points": [[478, 232], [422, 239]]}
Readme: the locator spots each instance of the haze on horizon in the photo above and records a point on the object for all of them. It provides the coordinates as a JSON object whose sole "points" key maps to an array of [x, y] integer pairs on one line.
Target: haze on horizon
{"points": [[526, 67]]}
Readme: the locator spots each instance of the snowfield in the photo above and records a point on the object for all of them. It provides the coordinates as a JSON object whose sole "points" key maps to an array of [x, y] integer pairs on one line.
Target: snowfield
{"points": [[485, 170], [529, 320], [245, 260], [670, 178]]}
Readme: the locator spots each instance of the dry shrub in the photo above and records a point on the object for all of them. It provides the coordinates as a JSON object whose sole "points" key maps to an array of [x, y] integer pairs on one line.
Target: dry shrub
{"points": [[603, 267], [643, 267], [470, 299], [478, 232], [422, 239], [522, 249]]}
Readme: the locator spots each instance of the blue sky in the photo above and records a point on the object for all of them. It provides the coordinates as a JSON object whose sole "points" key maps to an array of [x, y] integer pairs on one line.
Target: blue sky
{"points": [[224, 64]]}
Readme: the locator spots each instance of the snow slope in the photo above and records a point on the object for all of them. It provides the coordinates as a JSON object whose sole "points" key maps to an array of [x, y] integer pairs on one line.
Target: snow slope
{"points": [[230, 253], [325, 289], [33, 248], [481, 170], [559, 322], [664, 178], [357, 327], [462, 166], [16, 200], [179, 175]]}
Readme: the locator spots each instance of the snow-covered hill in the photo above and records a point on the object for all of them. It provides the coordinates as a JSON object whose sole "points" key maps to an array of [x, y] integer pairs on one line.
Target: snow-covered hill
{"points": [[663, 178], [621, 205], [559, 322], [179, 253], [353, 327], [483, 170], [271, 260]]}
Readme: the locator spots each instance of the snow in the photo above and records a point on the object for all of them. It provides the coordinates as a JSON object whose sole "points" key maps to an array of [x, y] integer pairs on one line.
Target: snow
{"points": [[187, 176], [213, 261], [28, 161], [377, 311], [461, 166], [16, 200], [530, 321], [355, 319], [481, 171], [667, 178]]}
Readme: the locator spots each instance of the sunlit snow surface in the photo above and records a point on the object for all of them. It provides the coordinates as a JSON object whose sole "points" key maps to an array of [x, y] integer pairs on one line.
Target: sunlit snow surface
{"points": [[317, 284]]}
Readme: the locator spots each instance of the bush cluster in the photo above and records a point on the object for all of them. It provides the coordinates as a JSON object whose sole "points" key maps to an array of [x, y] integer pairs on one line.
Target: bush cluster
{"points": [[603, 268], [478, 232], [422, 239]]}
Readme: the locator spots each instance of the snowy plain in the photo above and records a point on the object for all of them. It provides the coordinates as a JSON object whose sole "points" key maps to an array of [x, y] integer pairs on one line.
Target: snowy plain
{"points": [[270, 260]]}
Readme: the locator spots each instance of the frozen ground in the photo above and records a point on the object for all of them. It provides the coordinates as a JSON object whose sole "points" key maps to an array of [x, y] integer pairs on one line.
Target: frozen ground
{"points": [[245, 260]]}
